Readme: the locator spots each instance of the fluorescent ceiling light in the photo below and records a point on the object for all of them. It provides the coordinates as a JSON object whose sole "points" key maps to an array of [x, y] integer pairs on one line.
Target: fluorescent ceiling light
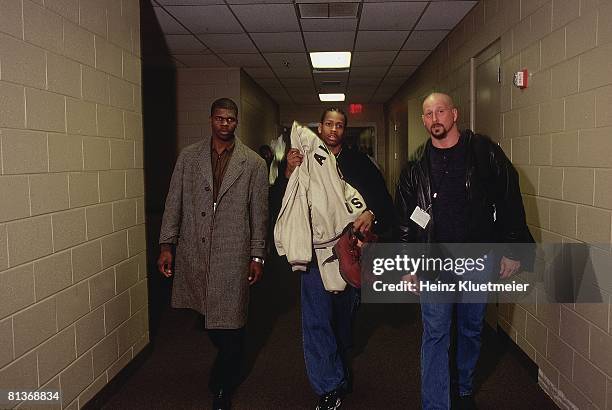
{"points": [[331, 97], [331, 59]]}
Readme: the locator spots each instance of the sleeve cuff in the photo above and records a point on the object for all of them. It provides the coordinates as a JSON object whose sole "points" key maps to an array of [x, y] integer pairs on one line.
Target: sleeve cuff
{"points": [[298, 267]]}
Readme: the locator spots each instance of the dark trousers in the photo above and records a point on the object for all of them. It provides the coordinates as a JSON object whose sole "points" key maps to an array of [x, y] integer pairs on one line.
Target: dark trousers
{"points": [[225, 373]]}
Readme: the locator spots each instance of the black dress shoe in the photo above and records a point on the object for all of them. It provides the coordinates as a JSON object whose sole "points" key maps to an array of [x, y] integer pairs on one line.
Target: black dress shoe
{"points": [[467, 403], [221, 400]]}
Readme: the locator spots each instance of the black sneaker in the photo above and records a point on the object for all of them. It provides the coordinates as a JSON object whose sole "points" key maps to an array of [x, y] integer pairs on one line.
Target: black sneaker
{"points": [[221, 401], [330, 401], [467, 402]]}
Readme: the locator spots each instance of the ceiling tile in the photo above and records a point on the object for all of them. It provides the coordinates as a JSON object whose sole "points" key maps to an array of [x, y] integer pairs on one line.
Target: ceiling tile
{"points": [[393, 82], [386, 90], [184, 44], [444, 15], [355, 81], [243, 60], [380, 40], [279, 42], [372, 71], [228, 43], [401, 71], [390, 16], [383, 1], [257, 1], [329, 41], [297, 82], [195, 60], [300, 90], [188, 2], [288, 60], [167, 24], [424, 40], [321, 78], [411, 57], [294, 72], [361, 89], [313, 10], [267, 18], [206, 19], [259, 72], [306, 98], [370, 58], [329, 24], [344, 9], [325, 1]]}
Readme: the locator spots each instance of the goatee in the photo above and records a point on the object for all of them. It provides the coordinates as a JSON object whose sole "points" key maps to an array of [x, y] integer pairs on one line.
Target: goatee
{"points": [[438, 136]]}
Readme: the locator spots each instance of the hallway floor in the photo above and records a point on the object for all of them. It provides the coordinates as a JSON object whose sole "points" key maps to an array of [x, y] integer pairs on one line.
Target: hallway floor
{"points": [[386, 362]]}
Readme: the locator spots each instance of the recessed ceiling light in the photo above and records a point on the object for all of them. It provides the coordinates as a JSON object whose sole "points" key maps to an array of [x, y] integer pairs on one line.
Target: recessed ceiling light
{"points": [[331, 59], [331, 97]]}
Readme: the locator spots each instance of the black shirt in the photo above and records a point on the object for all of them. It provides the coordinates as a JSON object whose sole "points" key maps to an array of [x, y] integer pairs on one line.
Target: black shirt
{"points": [[449, 194]]}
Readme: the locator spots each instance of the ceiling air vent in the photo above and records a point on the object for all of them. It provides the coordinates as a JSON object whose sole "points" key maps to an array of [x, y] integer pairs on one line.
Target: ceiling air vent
{"points": [[328, 10], [343, 10], [313, 10]]}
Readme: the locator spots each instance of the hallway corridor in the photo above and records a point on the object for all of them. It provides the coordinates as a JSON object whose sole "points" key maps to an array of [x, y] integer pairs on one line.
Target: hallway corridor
{"points": [[387, 338]]}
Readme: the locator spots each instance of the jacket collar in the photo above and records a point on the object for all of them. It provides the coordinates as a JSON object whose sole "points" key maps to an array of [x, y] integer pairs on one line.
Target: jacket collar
{"points": [[235, 167]]}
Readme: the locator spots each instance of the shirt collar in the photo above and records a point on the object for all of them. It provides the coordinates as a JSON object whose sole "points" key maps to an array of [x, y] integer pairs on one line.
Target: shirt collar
{"points": [[229, 149]]}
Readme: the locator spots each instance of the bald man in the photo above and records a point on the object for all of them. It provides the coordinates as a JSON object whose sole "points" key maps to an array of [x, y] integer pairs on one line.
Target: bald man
{"points": [[459, 188]]}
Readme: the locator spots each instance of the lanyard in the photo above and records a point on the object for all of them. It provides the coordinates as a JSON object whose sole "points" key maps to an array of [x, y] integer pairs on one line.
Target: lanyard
{"points": [[436, 189]]}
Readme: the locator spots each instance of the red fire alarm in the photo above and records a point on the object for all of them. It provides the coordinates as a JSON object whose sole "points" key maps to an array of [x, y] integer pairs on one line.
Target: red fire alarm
{"points": [[355, 108], [521, 78]]}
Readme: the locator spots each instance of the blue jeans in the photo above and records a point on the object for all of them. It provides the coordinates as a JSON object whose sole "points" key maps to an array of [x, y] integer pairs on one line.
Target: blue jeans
{"points": [[437, 318], [327, 331]]}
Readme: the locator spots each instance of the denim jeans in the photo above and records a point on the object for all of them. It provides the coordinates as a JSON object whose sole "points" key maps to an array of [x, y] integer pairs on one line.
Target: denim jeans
{"points": [[437, 317], [327, 331]]}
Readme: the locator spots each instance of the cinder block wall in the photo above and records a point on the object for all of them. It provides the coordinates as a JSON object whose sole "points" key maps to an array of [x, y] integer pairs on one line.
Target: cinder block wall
{"points": [[558, 132], [196, 89], [259, 114], [73, 290]]}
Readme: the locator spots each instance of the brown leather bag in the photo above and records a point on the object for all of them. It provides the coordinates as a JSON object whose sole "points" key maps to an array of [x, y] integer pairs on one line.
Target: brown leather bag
{"points": [[348, 252]]}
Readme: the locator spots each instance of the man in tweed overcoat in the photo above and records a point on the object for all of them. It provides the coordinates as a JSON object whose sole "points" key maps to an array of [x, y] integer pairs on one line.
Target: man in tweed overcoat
{"points": [[215, 221]]}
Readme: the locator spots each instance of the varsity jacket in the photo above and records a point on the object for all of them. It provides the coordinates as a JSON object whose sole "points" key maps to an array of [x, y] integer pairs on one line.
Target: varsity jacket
{"points": [[316, 207]]}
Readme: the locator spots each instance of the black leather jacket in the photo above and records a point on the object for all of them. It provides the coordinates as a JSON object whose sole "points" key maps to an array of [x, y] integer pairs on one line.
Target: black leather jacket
{"points": [[492, 189]]}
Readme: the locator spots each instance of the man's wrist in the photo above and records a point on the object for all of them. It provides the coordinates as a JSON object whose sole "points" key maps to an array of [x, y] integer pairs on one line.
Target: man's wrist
{"points": [[258, 260]]}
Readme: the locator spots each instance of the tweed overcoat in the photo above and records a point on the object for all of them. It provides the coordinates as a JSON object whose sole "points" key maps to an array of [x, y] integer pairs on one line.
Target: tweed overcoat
{"points": [[214, 246]]}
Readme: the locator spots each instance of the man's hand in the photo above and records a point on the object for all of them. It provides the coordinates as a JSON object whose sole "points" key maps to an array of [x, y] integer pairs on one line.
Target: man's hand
{"points": [[413, 283], [255, 272], [508, 267], [294, 160], [364, 222], [164, 262]]}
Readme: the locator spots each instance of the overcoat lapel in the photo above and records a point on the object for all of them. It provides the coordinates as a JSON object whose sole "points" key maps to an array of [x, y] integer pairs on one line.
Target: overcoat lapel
{"points": [[205, 163], [234, 169]]}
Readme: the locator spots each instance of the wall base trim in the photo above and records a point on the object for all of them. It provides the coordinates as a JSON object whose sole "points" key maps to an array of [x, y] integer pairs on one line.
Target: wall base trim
{"points": [[554, 393]]}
